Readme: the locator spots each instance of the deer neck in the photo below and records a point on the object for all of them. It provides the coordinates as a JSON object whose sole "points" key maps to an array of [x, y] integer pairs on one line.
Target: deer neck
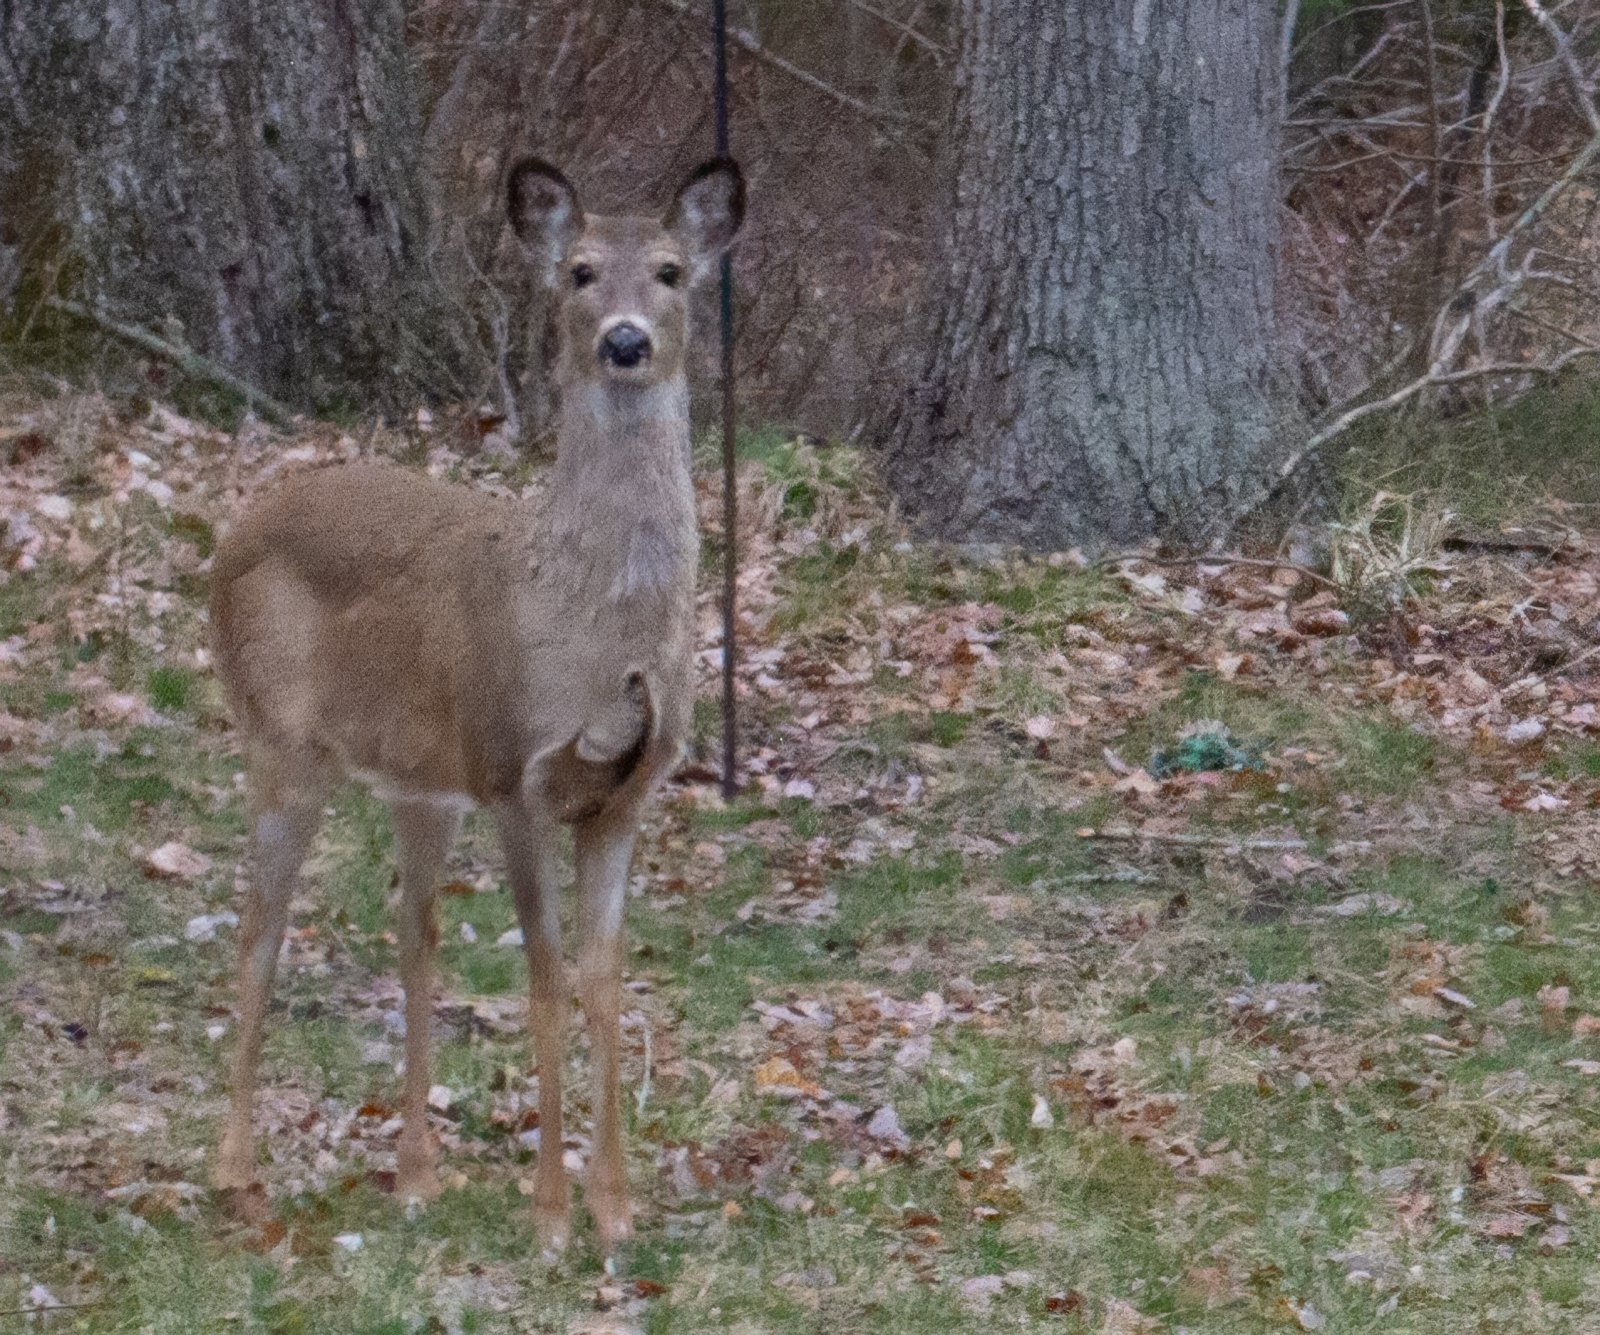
{"points": [[621, 500]]}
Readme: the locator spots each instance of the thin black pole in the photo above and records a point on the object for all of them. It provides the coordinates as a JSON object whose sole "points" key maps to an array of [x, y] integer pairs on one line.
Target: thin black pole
{"points": [[730, 498]]}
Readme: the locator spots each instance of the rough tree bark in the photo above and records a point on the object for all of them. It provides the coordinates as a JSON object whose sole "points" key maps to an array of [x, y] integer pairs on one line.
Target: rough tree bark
{"points": [[1102, 354], [239, 172]]}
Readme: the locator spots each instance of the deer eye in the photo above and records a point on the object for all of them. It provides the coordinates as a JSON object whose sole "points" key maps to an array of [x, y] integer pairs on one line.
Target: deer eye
{"points": [[669, 275], [582, 275]]}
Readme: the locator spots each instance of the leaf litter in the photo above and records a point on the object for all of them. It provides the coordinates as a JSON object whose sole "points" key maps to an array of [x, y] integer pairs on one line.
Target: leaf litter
{"points": [[938, 1018]]}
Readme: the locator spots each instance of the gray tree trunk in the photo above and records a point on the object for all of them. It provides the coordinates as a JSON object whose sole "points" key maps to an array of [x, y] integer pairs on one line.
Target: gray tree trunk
{"points": [[242, 172], [1102, 366]]}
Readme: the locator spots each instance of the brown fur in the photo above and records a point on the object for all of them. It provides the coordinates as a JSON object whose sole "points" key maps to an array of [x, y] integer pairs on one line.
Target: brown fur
{"points": [[450, 647]]}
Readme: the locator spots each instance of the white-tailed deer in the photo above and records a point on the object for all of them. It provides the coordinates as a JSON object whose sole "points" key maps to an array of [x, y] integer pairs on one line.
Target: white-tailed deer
{"points": [[451, 648]]}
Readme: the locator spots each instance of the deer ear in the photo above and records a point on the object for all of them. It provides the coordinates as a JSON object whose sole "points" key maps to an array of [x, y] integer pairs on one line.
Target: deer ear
{"points": [[543, 208], [707, 212]]}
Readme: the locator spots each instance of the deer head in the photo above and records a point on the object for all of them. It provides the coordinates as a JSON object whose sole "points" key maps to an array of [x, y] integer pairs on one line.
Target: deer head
{"points": [[621, 284]]}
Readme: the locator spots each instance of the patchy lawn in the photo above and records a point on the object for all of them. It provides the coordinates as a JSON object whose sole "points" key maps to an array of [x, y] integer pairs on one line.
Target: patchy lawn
{"points": [[1100, 949]]}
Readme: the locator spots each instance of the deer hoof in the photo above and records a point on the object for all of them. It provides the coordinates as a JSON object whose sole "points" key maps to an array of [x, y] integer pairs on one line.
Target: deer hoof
{"points": [[613, 1221], [416, 1177], [554, 1227], [236, 1164]]}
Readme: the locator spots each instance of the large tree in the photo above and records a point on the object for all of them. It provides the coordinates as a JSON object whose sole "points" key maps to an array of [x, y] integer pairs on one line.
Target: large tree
{"points": [[241, 174], [1102, 349]]}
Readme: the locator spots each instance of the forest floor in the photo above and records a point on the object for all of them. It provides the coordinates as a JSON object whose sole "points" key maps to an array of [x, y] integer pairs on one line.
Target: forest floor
{"points": [[1101, 948]]}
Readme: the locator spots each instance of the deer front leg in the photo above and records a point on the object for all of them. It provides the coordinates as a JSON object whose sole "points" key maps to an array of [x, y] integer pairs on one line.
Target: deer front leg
{"points": [[423, 834], [528, 838], [604, 849], [281, 836]]}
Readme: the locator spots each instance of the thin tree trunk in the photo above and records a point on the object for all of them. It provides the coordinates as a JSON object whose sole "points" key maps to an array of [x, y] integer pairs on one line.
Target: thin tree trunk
{"points": [[1102, 356]]}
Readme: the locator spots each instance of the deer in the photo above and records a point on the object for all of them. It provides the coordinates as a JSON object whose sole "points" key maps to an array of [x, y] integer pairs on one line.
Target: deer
{"points": [[454, 649]]}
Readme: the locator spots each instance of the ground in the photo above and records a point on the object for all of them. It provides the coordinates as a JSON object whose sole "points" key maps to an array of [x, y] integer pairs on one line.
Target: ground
{"points": [[1113, 948]]}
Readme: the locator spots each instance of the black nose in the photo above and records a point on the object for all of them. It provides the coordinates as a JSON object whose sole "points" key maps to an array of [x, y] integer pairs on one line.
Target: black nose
{"points": [[625, 345]]}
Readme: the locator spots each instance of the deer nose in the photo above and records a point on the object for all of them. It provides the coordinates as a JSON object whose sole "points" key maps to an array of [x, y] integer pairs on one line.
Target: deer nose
{"points": [[625, 345]]}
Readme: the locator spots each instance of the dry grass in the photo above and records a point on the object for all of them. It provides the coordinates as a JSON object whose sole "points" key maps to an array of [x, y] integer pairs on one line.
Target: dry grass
{"points": [[909, 1052]]}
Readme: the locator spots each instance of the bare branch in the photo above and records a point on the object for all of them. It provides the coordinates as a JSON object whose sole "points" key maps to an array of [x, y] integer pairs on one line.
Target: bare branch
{"points": [[1569, 62], [1491, 113], [1291, 15], [185, 359], [892, 123], [915, 34], [1345, 421]]}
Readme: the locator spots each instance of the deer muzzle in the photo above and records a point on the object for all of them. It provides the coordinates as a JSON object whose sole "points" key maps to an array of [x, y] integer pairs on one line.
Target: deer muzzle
{"points": [[625, 345]]}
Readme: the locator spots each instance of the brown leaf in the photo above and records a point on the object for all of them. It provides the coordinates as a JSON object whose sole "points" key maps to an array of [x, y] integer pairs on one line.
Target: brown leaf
{"points": [[176, 861], [778, 1075]]}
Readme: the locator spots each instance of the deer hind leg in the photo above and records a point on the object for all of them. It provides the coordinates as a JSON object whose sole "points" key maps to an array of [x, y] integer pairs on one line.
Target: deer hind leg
{"points": [[604, 847], [529, 840], [423, 834], [284, 822]]}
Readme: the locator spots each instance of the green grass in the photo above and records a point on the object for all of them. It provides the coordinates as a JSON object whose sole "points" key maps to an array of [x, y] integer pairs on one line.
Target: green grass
{"points": [[170, 688], [1247, 1093], [1492, 467]]}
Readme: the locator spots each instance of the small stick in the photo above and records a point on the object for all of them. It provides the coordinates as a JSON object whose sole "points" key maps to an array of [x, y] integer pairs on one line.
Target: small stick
{"points": [[642, 1098], [1202, 559], [54, 1307], [1118, 876], [1571, 663], [1192, 840], [185, 359]]}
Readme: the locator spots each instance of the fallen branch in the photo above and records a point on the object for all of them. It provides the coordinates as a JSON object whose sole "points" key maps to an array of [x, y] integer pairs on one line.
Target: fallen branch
{"points": [[1121, 876], [188, 361], [1224, 841], [1206, 559], [53, 1307], [1572, 663], [1465, 542]]}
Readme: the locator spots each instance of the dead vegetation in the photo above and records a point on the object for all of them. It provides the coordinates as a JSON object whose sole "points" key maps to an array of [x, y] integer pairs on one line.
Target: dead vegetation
{"points": [[1127, 947]]}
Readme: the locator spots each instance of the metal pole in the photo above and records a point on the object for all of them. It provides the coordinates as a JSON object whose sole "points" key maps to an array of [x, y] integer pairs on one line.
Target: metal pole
{"points": [[730, 499]]}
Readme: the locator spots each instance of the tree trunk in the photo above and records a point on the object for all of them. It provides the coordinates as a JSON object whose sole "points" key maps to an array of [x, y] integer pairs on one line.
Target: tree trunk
{"points": [[241, 174], [1102, 365]]}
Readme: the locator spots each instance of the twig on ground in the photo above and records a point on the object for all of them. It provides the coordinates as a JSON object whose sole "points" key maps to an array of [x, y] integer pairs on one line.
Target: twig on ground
{"points": [[642, 1098], [1210, 559], [1465, 542], [1230, 842], [46, 1311], [1110, 876], [1578, 661], [185, 359]]}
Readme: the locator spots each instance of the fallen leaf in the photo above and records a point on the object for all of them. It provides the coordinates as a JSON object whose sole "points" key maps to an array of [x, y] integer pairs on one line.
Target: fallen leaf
{"points": [[777, 1075], [176, 861], [204, 926], [884, 1125], [978, 1293]]}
